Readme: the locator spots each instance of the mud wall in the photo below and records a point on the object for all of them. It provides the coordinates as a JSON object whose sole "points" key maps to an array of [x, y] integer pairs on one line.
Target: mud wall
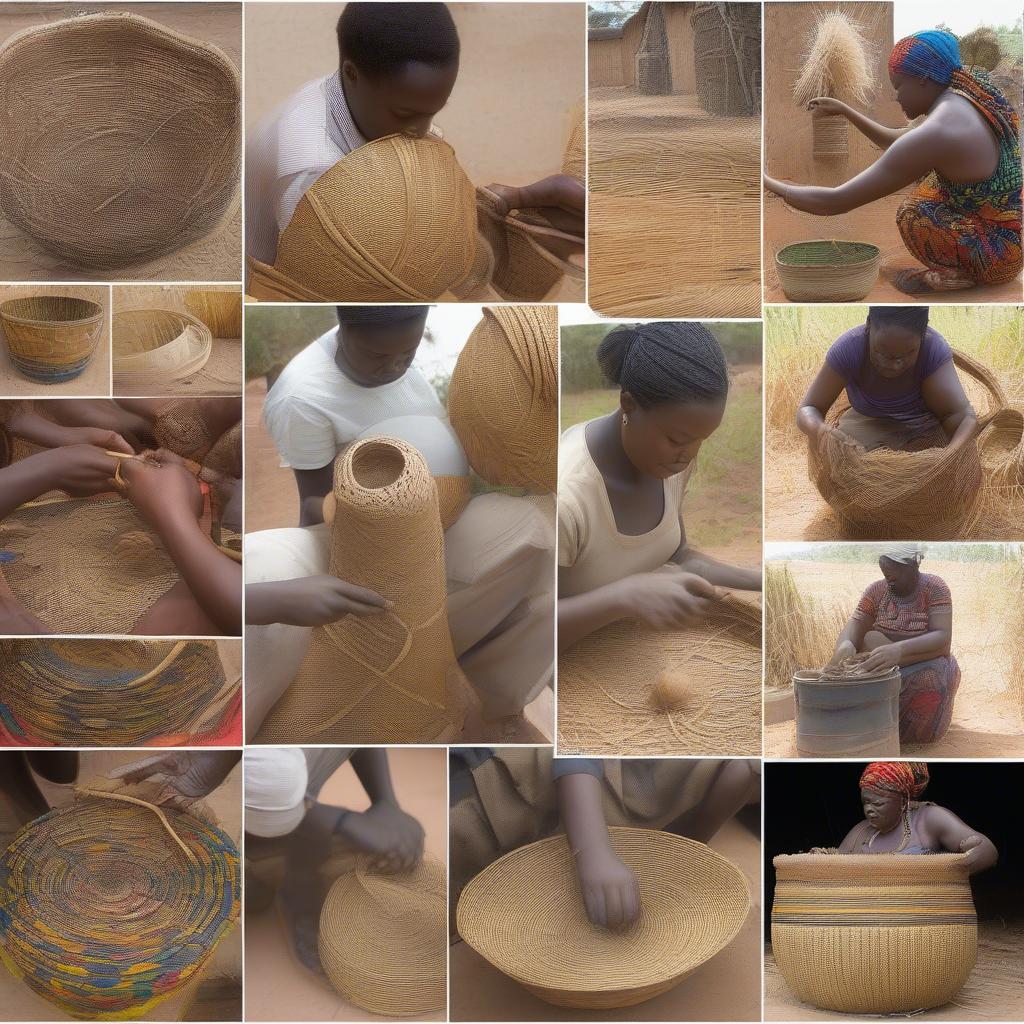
{"points": [[605, 62]]}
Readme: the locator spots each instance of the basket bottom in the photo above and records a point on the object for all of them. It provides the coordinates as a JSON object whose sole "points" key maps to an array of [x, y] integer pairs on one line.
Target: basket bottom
{"points": [[45, 373], [603, 1000]]}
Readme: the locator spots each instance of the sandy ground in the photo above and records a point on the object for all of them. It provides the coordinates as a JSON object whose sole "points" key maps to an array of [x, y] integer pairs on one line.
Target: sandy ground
{"points": [[725, 988], [985, 721], [993, 991], [277, 987], [875, 223]]}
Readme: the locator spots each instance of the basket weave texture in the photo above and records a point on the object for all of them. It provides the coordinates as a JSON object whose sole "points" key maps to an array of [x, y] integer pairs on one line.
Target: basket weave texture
{"points": [[221, 311], [828, 270], [154, 347], [525, 914], [727, 57], [51, 338]]}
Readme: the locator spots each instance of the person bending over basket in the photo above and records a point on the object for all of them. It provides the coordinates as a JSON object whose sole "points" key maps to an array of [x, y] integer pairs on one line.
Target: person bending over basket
{"points": [[896, 821], [905, 621], [963, 218], [622, 546], [900, 381]]}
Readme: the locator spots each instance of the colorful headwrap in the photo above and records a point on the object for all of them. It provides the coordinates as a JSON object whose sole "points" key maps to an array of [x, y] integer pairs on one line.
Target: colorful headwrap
{"points": [[933, 54], [907, 777]]}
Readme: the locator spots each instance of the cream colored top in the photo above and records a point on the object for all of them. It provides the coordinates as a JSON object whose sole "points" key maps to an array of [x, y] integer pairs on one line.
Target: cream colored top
{"points": [[591, 550]]}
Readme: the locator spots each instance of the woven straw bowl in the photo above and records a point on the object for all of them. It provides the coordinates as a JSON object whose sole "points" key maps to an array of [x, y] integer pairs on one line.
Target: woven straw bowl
{"points": [[51, 338], [524, 913], [159, 345], [828, 270]]}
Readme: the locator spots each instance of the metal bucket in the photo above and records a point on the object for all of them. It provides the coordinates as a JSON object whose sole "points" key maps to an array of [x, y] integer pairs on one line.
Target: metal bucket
{"points": [[848, 717]]}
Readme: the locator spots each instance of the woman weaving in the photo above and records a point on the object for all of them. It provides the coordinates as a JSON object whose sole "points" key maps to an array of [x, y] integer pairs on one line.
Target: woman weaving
{"points": [[963, 218]]}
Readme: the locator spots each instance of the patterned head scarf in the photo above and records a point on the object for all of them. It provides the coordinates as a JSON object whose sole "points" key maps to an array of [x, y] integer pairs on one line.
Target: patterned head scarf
{"points": [[908, 778], [933, 54], [905, 554]]}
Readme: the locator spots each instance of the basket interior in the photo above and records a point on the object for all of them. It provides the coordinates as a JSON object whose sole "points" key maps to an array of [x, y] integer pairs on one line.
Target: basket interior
{"points": [[51, 309], [145, 330], [827, 253]]}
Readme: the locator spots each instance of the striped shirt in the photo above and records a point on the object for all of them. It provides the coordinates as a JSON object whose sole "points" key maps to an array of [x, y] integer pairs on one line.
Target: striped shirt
{"points": [[881, 609]]}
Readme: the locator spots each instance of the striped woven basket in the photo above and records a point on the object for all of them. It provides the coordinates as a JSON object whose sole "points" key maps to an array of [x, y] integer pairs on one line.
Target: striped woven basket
{"points": [[525, 914], [828, 270], [891, 933], [154, 347], [51, 338], [221, 311]]}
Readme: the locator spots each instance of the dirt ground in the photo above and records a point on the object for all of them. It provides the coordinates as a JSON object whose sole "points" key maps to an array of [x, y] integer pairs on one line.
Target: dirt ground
{"points": [[725, 988], [985, 721]]}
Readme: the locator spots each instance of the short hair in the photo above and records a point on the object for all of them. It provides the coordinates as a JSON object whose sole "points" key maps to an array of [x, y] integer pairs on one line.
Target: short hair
{"points": [[665, 362], [381, 38], [910, 318], [378, 316]]}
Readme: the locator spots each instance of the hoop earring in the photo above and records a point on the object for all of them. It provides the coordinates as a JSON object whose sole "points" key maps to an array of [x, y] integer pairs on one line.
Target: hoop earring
{"points": [[625, 419]]}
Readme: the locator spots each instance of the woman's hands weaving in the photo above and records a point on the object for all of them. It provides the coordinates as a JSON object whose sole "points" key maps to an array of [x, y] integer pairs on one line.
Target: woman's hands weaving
{"points": [[668, 599]]}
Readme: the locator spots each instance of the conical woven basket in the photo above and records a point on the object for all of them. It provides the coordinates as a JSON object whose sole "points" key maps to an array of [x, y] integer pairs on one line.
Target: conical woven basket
{"points": [[503, 397], [155, 347], [108, 907], [890, 933], [119, 138], [51, 338], [220, 311], [384, 938], [828, 270], [525, 914]]}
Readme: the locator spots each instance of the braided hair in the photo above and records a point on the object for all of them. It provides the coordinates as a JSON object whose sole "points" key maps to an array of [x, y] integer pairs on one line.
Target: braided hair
{"points": [[381, 38], [910, 318], [665, 362]]}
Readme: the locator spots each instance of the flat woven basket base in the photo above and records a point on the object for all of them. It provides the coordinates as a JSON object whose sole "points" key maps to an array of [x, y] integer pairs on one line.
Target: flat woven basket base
{"points": [[383, 939], [525, 914], [630, 690]]}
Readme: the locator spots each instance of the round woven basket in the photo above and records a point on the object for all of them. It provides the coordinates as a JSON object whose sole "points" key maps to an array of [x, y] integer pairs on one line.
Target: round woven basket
{"points": [[890, 933], [383, 939], [104, 913], [525, 914], [220, 311], [109, 161], [51, 338], [158, 346], [828, 270]]}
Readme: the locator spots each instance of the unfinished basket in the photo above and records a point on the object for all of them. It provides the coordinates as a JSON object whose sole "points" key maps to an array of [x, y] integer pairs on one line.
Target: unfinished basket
{"points": [[828, 270], [889, 933], [51, 338], [119, 138], [383, 939], [156, 347], [220, 311], [830, 138], [107, 907], [525, 914]]}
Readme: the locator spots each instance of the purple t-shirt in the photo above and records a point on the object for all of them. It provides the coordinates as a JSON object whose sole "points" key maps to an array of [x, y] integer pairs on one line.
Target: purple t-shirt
{"points": [[868, 392]]}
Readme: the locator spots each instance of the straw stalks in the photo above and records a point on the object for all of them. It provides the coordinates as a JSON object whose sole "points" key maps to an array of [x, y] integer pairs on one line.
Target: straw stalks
{"points": [[838, 63]]}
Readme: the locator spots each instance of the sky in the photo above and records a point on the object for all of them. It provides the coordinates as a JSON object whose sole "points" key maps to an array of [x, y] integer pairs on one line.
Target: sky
{"points": [[911, 16]]}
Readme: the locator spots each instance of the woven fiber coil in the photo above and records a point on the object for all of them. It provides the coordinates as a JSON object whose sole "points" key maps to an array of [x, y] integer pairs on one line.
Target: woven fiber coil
{"points": [[830, 138], [157, 347], [415, 242], [108, 907], [828, 270], [503, 397], [525, 914], [51, 338], [110, 693], [889, 933], [383, 939], [727, 57], [220, 311], [628, 689], [390, 677], [119, 138]]}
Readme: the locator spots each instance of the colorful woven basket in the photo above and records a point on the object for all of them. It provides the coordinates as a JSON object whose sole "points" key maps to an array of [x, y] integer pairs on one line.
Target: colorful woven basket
{"points": [[525, 914], [828, 270], [890, 933], [108, 907], [51, 338], [154, 347]]}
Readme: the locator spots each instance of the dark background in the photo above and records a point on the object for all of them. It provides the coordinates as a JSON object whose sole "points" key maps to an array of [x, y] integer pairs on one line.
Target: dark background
{"points": [[815, 804]]}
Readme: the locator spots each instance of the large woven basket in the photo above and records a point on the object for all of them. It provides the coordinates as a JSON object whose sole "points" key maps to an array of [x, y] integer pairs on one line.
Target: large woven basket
{"points": [[525, 914], [108, 907], [119, 138], [51, 338], [828, 270], [727, 57], [154, 347], [891, 933], [221, 311]]}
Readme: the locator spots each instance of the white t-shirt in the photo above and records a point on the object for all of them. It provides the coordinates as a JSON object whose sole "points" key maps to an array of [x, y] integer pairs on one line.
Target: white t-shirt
{"points": [[314, 410]]}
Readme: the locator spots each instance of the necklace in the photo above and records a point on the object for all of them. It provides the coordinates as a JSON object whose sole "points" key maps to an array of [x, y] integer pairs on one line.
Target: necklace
{"points": [[906, 831]]}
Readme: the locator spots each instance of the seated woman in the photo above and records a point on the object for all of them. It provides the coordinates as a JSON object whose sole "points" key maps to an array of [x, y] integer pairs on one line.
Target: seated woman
{"points": [[905, 621], [963, 219], [622, 546], [895, 821], [900, 380]]}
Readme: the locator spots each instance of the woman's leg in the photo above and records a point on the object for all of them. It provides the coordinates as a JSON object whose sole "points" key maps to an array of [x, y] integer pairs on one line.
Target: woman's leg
{"points": [[177, 613], [737, 783], [926, 699]]}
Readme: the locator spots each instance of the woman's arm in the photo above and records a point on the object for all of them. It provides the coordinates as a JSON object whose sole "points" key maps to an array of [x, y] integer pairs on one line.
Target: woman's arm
{"points": [[850, 640], [933, 644], [944, 395], [79, 470], [825, 389], [314, 485], [30, 426], [720, 574], [849, 844], [954, 836], [309, 601], [881, 135]]}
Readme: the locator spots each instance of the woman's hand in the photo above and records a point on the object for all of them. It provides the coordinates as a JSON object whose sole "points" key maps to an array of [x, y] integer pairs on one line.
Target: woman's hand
{"points": [[187, 775], [310, 601], [106, 440], [844, 649], [610, 890], [79, 470], [667, 599], [393, 838], [162, 488], [826, 106], [883, 658]]}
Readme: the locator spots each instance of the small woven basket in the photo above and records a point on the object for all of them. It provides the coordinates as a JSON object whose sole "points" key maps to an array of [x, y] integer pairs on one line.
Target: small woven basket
{"points": [[830, 138], [828, 270], [158, 347], [51, 338], [220, 311], [525, 914]]}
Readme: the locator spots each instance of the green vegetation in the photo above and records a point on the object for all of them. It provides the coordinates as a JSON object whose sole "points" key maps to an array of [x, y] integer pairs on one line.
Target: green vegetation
{"points": [[864, 553], [273, 334]]}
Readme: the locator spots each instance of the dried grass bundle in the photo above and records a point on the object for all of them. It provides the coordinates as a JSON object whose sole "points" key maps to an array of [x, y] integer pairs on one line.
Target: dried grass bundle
{"points": [[980, 49], [838, 63], [1015, 632]]}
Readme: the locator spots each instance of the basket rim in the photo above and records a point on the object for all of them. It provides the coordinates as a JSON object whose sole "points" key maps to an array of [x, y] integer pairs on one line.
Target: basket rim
{"points": [[868, 866], [188, 320], [15, 318], [853, 264]]}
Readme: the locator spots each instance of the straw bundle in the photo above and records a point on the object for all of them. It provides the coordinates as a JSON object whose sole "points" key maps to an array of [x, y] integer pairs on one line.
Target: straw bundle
{"points": [[108, 161], [51, 338], [525, 914], [109, 906], [503, 397], [630, 690], [390, 677], [882, 934], [828, 270], [980, 49], [220, 311], [156, 347], [727, 57], [383, 939]]}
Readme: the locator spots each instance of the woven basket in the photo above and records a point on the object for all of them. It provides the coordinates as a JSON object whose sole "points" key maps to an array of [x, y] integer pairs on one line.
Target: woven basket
{"points": [[220, 311], [51, 338], [830, 138], [503, 397], [155, 347], [890, 933], [727, 57], [828, 270], [119, 138], [383, 939], [525, 914], [104, 914]]}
